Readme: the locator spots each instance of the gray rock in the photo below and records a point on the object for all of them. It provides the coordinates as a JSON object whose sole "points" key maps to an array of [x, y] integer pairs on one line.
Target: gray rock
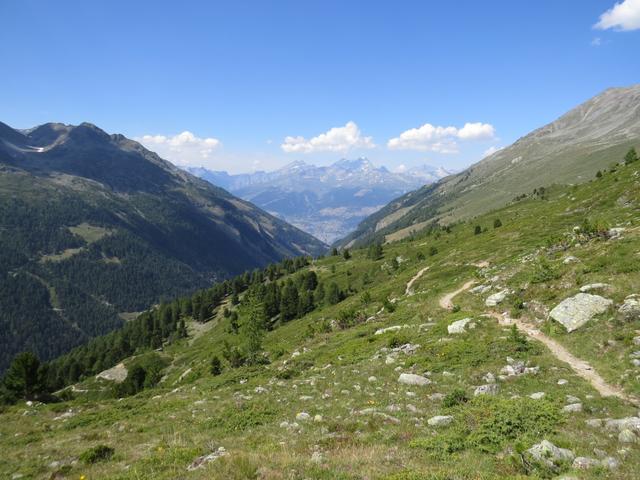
{"points": [[572, 399], [204, 459], [627, 436], [583, 463], [440, 420], [572, 408], [610, 463], [382, 331], [627, 423], [630, 309], [594, 286], [537, 395], [488, 389], [458, 326], [594, 422], [480, 289], [547, 453], [574, 312], [570, 259], [496, 298], [413, 379], [303, 417]]}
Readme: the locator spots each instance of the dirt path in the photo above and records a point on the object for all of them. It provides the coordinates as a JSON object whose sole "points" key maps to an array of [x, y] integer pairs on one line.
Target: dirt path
{"points": [[413, 280], [582, 368], [446, 301]]}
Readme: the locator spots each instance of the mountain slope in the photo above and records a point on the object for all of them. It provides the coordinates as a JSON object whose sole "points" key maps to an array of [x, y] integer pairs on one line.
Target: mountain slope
{"points": [[327, 201], [568, 150], [387, 390], [93, 226]]}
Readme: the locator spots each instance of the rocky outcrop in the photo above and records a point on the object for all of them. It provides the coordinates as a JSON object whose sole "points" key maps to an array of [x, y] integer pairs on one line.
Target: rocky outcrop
{"points": [[574, 312], [547, 453], [630, 309], [459, 326]]}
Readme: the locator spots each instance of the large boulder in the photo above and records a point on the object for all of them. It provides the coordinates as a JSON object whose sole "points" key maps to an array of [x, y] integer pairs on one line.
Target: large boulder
{"points": [[547, 453], [630, 309], [574, 312], [440, 420], [458, 326], [496, 298], [413, 379]]}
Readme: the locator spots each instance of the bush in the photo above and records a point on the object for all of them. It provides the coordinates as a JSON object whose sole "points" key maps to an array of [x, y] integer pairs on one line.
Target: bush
{"points": [[456, 397], [497, 223], [477, 230], [388, 306], [215, 366], [433, 251], [99, 453], [631, 156]]}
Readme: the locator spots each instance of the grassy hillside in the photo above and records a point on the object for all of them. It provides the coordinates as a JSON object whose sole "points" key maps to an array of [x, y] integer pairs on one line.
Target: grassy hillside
{"points": [[569, 150], [329, 404]]}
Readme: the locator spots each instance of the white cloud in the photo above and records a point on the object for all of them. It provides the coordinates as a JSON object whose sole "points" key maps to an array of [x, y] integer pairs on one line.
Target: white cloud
{"points": [[184, 149], [622, 16], [337, 139], [490, 151], [596, 42], [476, 131], [440, 139]]}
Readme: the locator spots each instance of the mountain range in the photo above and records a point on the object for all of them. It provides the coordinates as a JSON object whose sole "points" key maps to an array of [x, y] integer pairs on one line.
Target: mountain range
{"points": [[325, 201], [569, 150], [94, 227]]}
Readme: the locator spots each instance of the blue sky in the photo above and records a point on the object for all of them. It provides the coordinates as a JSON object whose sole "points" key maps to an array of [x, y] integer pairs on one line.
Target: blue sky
{"points": [[241, 77]]}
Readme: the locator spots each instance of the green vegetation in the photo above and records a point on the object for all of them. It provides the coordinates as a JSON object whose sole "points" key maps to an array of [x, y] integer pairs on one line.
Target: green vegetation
{"points": [[244, 388]]}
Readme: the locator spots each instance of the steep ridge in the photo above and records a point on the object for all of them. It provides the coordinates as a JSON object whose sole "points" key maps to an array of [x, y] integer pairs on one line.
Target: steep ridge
{"points": [[569, 150], [94, 227]]}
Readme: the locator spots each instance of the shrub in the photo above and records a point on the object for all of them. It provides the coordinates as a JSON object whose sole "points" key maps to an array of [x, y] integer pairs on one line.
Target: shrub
{"points": [[99, 453], [456, 397], [477, 230], [388, 306], [433, 251], [497, 223], [631, 156], [215, 366]]}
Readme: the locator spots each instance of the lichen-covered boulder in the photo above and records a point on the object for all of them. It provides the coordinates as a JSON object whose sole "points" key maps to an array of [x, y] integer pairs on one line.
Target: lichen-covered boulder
{"points": [[574, 312]]}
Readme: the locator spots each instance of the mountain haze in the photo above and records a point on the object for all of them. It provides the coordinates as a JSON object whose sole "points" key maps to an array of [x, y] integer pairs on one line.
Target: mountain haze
{"points": [[326, 201], [94, 227], [569, 150]]}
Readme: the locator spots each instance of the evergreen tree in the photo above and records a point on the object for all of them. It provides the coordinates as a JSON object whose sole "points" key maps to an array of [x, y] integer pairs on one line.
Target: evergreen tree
{"points": [[215, 367], [477, 230], [253, 327], [375, 251], [333, 294], [289, 301], [346, 254], [631, 156], [22, 379], [334, 252], [497, 223]]}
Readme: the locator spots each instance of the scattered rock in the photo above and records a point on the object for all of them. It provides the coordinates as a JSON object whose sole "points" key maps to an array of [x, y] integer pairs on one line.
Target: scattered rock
{"points": [[627, 423], [303, 417], [583, 463], [496, 298], [594, 286], [413, 379], [572, 408], [440, 420], [570, 259], [537, 395], [395, 328], [627, 436], [594, 422], [480, 289], [574, 312], [547, 453], [204, 459], [458, 326], [615, 233], [562, 381], [630, 310], [318, 418], [488, 389], [372, 379]]}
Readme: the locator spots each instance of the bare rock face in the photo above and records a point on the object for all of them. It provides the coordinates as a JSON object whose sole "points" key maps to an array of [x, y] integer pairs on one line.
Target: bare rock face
{"points": [[459, 326], [574, 312], [496, 298]]}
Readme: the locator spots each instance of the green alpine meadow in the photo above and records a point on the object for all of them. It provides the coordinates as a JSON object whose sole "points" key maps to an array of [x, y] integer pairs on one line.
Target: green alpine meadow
{"points": [[319, 240]]}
